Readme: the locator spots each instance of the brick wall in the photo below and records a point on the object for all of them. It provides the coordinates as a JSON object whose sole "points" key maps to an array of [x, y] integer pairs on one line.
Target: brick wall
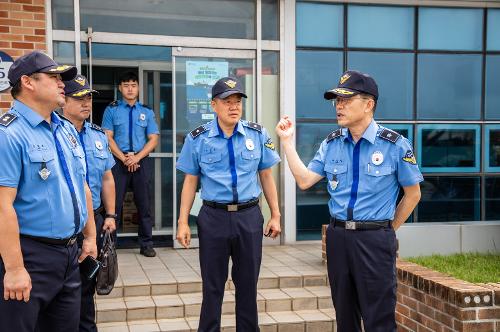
{"points": [[429, 301], [22, 30]]}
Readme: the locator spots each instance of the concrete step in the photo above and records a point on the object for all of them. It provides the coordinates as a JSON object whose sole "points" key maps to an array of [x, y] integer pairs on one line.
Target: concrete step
{"points": [[320, 320], [187, 305]]}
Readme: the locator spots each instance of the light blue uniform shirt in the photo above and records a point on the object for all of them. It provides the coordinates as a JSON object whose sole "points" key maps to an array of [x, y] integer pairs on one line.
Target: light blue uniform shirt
{"points": [[43, 207], [206, 153], [99, 158], [118, 119], [365, 178]]}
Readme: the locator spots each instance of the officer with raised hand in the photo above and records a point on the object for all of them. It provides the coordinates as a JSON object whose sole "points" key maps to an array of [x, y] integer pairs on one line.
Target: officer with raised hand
{"points": [[133, 134], [227, 154], [366, 164], [44, 202], [99, 178]]}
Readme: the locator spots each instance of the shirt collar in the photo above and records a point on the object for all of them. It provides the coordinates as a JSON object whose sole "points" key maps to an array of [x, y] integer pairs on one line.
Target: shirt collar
{"points": [[370, 132], [33, 118], [124, 103], [213, 128]]}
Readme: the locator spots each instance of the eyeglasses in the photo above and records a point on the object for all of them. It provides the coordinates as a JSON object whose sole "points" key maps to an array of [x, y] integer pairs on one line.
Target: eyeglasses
{"points": [[345, 101]]}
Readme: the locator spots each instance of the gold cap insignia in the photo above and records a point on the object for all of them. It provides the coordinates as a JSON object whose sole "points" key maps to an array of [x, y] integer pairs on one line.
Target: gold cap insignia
{"points": [[81, 93], [230, 83], [80, 80], [343, 91], [60, 68], [344, 78]]}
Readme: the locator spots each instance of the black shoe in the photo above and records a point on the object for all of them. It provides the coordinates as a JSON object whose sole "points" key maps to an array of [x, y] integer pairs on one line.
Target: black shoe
{"points": [[148, 252]]}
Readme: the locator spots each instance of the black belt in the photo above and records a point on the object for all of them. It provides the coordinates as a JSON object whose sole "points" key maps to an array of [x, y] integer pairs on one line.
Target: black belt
{"points": [[232, 207], [357, 225], [99, 210], [68, 242]]}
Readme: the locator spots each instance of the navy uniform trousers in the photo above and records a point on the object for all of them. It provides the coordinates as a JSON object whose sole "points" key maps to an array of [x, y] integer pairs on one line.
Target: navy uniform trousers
{"points": [[54, 303], [87, 311], [362, 273], [238, 235], [141, 186]]}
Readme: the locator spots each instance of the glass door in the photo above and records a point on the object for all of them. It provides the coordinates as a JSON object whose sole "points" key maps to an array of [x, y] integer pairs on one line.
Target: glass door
{"points": [[195, 71]]}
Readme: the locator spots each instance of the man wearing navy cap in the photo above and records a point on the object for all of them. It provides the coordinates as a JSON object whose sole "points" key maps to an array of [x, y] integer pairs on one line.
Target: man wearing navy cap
{"points": [[365, 164], [227, 154], [44, 202], [133, 134], [99, 178]]}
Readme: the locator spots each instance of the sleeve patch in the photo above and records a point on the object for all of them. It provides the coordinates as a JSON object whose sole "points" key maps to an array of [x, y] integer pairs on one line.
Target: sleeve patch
{"points": [[333, 135], [410, 157], [269, 144], [7, 119], [198, 131]]}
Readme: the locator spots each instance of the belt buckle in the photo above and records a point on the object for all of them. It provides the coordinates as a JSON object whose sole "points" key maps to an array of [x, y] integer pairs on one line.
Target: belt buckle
{"points": [[350, 225], [232, 207], [71, 241]]}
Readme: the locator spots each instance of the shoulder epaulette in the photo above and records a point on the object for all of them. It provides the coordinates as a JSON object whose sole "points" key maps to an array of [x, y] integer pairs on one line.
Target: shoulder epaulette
{"points": [[114, 103], [147, 106], [389, 135], [254, 126], [63, 117], [7, 118], [333, 135], [96, 127], [198, 131]]}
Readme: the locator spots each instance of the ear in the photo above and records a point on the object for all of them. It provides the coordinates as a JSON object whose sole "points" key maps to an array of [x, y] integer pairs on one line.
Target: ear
{"points": [[27, 83], [370, 105]]}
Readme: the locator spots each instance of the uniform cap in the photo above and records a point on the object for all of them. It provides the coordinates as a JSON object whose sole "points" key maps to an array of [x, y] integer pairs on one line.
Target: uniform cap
{"points": [[227, 86], [38, 62], [78, 87], [351, 83]]}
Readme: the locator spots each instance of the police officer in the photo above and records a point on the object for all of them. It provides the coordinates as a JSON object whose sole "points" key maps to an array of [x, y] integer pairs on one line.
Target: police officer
{"points": [[44, 202], [227, 154], [365, 164], [133, 134], [99, 178]]}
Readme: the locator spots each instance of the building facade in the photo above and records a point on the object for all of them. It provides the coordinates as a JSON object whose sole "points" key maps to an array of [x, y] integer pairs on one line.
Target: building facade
{"points": [[437, 64]]}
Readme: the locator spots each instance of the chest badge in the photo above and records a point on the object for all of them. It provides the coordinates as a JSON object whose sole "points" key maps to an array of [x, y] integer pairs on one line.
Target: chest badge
{"points": [[142, 116], [44, 172], [334, 182], [249, 144], [98, 145], [377, 158]]}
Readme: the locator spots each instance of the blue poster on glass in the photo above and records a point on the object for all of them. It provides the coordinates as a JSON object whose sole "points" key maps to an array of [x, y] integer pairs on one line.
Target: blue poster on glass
{"points": [[200, 76]]}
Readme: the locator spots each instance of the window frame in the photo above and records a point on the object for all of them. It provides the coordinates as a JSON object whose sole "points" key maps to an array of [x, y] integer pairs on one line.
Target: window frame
{"points": [[487, 129]]}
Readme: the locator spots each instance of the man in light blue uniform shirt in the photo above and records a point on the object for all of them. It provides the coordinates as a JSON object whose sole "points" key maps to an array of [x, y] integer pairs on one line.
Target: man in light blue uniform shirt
{"points": [[44, 202], [227, 154], [99, 178], [133, 134], [366, 164]]}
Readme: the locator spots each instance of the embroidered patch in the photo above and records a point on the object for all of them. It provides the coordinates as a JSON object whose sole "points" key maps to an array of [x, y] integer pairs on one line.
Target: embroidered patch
{"points": [[269, 144], [410, 158]]}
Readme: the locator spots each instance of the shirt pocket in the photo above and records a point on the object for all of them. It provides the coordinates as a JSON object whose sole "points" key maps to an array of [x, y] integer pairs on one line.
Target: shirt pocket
{"points": [[379, 176], [141, 123], [336, 175], [37, 160], [100, 157], [211, 162], [79, 160], [249, 160]]}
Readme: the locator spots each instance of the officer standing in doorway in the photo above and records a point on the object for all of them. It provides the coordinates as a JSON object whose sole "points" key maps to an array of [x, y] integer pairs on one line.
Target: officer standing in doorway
{"points": [[133, 134], [365, 164], [44, 202], [99, 178], [227, 154]]}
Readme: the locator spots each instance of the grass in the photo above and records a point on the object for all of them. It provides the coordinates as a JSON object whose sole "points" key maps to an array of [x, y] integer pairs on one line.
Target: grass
{"points": [[472, 267]]}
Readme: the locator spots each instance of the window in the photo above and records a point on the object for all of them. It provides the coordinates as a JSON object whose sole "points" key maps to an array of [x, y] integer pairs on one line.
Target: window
{"points": [[492, 208], [374, 27], [449, 148], [63, 14], [270, 19], [393, 73], [316, 72], [492, 93], [450, 29], [449, 198], [493, 30], [492, 141], [127, 52], [64, 52], [320, 25], [449, 86]]}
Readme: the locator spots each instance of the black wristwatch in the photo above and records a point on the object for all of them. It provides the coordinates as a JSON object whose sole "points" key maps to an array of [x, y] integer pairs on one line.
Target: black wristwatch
{"points": [[108, 215]]}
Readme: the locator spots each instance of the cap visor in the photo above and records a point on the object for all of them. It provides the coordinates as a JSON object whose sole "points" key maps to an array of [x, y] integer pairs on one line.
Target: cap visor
{"points": [[67, 72], [82, 93], [340, 92], [230, 93]]}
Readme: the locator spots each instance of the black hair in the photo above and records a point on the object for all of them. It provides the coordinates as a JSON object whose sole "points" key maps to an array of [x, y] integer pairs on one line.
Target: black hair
{"points": [[128, 76]]}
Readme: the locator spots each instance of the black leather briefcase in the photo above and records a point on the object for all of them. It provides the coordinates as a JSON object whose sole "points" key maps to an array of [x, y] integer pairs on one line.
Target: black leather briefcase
{"points": [[108, 273]]}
